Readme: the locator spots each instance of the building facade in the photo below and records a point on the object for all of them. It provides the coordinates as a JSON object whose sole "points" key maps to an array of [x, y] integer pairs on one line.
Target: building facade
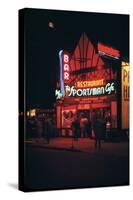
{"points": [[90, 85]]}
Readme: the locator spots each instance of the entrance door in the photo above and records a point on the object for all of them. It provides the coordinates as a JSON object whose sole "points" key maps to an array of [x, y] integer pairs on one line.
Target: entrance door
{"points": [[91, 114], [83, 113], [102, 112]]}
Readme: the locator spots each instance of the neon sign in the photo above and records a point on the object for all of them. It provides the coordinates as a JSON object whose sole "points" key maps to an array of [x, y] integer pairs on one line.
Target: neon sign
{"points": [[108, 89], [71, 91], [58, 94], [108, 51], [84, 84], [66, 70]]}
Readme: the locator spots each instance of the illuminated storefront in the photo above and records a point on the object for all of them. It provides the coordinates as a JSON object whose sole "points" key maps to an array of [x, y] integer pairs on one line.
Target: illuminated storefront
{"points": [[88, 85]]}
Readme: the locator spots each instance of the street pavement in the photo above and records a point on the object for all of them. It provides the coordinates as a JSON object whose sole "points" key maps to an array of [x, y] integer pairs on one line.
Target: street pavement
{"points": [[82, 144], [64, 163]]}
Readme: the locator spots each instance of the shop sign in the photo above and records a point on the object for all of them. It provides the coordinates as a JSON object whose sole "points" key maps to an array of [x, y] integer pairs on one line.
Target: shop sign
{"points": [[84, 84], [71, 91], [108, 89], [108, 51], [66, 70], [125, 95], [125, 83]]}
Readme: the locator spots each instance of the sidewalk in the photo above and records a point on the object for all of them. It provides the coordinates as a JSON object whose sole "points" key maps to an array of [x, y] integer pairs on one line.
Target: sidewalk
{"points": [[81, 145]]}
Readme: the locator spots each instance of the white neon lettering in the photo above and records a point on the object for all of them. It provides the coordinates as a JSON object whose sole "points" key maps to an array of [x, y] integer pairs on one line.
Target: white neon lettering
{"points": [[66, 67], [107, 89], [84, 92], [58, 94], [66, 76], [79, 92], [71, 90], [66, 58]]}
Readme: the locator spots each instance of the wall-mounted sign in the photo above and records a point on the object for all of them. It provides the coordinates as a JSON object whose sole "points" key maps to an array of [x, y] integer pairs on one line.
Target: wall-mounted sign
{"points": [[66, 70], [84, 84], [109, 88], [108, 51], [72, 91], [125, 95]]}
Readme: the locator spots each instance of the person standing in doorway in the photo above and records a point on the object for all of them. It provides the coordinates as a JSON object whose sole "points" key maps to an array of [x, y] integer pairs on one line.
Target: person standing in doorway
{"points": [[98, 127], [83, 123], [89, 128], [76, 128]]}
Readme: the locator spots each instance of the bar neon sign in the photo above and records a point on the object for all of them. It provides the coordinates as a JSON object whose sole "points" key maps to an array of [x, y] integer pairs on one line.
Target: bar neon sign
{"points": [[66, 69], [108, 51]]}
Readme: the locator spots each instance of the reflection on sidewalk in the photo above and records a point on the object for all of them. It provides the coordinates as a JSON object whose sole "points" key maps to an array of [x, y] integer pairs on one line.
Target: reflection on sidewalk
{"points": [[82, 144]]}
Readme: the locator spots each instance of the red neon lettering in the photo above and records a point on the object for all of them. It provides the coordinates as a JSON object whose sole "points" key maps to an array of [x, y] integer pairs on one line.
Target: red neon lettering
{"points": [[108, 50]]}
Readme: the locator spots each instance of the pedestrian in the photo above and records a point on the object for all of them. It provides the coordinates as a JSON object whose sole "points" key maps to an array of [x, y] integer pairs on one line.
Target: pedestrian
{"points": [[104, 128], [89, 128], [76, 128], [47, 130], [83, 122], [98, 127], [31, 128], [39, 126]]}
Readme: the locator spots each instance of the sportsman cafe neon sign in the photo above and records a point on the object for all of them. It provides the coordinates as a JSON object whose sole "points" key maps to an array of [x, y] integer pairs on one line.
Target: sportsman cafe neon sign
{"points": [[109, 88], [72, 91]]}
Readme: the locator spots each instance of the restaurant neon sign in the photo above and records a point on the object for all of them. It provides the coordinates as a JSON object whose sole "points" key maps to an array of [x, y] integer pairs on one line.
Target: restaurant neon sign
{"points": [[109, 88], [72, 91], [83, 84]]}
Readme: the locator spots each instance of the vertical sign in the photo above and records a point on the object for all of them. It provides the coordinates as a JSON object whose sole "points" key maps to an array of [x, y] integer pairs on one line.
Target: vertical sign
{"points": [[66, 69], [125, 95]]}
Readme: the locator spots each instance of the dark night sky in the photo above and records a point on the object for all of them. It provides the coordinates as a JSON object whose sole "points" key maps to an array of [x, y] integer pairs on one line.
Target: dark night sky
{"points": [[43, 44]]}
